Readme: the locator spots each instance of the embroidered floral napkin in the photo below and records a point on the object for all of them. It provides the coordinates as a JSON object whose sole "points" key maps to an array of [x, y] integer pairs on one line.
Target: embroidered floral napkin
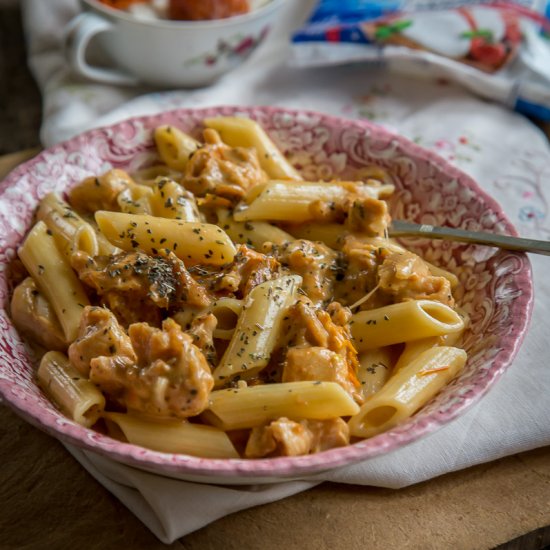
{"points": [[505, 153]]}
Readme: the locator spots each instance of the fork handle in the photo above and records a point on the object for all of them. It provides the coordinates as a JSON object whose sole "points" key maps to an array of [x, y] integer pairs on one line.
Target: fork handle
{"points": [[400, 228]]}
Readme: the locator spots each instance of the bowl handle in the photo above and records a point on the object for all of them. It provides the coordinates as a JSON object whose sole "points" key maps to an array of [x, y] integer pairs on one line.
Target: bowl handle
{"points": [[78, 35]]}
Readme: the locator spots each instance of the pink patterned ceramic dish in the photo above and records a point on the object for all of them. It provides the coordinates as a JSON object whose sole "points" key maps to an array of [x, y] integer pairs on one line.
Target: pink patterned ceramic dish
{"points": [[496, 286]]}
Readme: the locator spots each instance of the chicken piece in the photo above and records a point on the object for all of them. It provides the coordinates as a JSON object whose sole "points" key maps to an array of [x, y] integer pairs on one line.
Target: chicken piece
{"points": [[361, 272], [405, 276], [171, 378], [339, 314], [332, 356], [134, 285], [396, 274], [128, 310], [247, 270], [316, 327], [282, 437], [100, 335], [368, 216], [100, 193], [318, 364], [34, 316], [328, 434], [317, 264], [222, 170], [202, 331]]}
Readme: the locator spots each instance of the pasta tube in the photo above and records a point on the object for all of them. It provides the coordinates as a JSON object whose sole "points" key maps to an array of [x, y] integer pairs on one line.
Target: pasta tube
{"points": [[375, 368], [235, 409], [258, 329], [174, 437], [253, 233], [76, 396], [408, 390], [135, 199], [171, 200], [192, 242], [70, 231], [244, 132], [54, 278], [226, 311], [174, 146], [292, 201], [33, 315], [331, 234], [414, 348], [402, 322]]}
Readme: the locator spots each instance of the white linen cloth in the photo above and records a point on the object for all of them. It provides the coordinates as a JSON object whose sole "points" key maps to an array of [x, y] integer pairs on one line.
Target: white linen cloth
{"points": [[507, 155]]}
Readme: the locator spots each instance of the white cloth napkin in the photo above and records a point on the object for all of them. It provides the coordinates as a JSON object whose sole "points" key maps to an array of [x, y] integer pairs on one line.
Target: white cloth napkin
{"points": [[505, 153]]}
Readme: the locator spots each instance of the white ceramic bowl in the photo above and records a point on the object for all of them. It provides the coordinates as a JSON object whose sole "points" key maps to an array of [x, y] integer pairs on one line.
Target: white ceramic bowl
{"points": [[496, 286], [161, 52]]}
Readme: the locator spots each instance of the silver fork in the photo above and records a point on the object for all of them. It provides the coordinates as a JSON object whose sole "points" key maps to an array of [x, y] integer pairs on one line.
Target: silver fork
{"points": [[400, 228]]}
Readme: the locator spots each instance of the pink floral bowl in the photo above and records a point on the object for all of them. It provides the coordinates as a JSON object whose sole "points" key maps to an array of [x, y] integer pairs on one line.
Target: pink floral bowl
{"points": [[496, 286]]}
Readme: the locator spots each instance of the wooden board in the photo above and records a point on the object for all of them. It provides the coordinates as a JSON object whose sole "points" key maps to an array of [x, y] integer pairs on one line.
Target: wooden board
{"points": [[47, 500]]}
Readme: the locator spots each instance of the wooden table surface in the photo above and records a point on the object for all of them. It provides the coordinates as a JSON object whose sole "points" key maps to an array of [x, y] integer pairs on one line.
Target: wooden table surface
{"points": [[48, 501]]}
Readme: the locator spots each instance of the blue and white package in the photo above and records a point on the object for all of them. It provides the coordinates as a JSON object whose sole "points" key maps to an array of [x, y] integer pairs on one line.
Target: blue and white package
{"points": [[499, 50]]}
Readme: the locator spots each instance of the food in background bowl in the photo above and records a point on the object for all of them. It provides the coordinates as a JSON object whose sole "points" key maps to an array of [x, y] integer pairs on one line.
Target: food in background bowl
{"points": [[208, 9], [185, 10], [140, 47], [322, 147]]}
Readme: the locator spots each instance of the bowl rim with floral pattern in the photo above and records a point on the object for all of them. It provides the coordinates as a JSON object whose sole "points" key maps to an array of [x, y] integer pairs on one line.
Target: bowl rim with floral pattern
{"points": [[499, 293]]}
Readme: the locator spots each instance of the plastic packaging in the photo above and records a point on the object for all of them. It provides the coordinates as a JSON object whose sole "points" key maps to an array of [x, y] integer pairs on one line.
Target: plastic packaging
{"points": [[499, 50]]}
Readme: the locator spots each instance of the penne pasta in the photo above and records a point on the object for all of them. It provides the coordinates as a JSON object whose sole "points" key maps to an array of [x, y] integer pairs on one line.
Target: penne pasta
{"points": [[174, 436], [239, 408], [71, 232], [174, 146], [414, 348], [331, 234], [171, 200], [292, 201], [402, 322], [135, 199], [258, 329], [75, 395], [104, 247], [408, 390], [54, 278], [192, 242], [375, 369], [226, 311], [253, 233], [34, 316], [244, 132]]}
